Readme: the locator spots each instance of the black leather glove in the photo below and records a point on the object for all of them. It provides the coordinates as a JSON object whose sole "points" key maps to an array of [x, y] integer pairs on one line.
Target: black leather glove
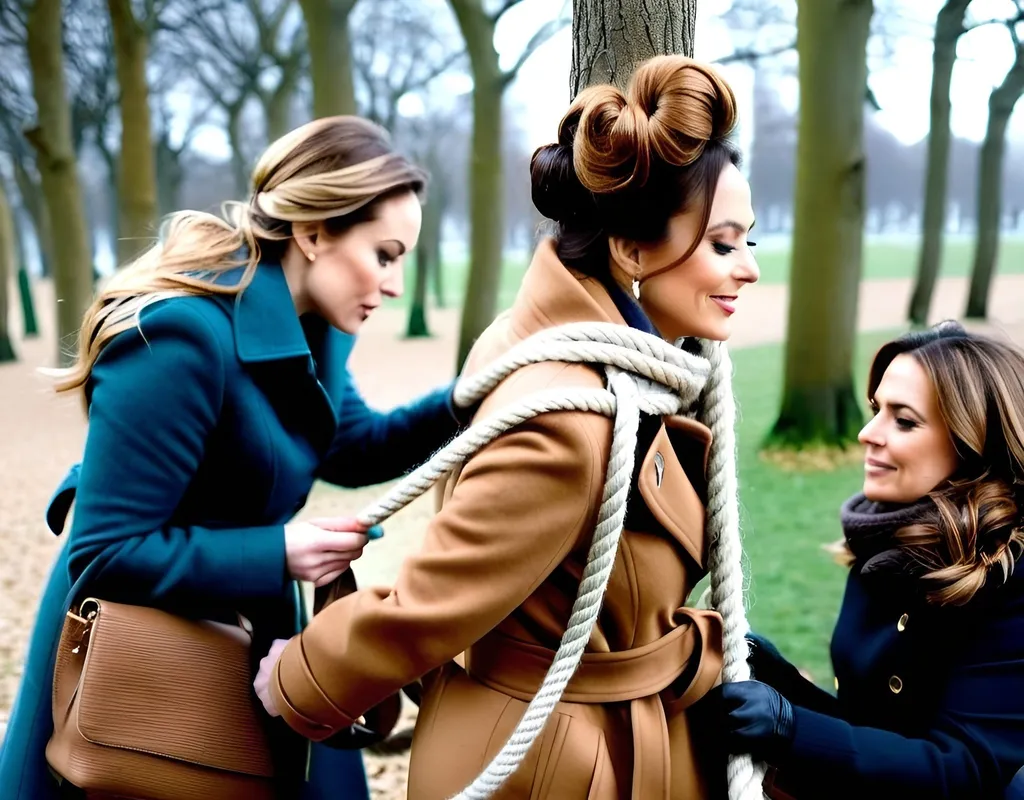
{"points": [[751, 717], [771, 667]]}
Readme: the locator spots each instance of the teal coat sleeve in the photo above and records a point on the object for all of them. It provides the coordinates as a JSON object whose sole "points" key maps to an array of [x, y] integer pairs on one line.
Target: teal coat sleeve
{"points": [[154, 396], [375, 446]]}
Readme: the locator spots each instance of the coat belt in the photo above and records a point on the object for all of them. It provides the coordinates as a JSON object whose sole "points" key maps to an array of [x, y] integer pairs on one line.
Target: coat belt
{"points": [[640, 676]]}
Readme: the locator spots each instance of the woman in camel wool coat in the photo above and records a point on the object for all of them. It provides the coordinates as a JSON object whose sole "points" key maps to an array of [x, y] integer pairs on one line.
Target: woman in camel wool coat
{"points": [[500, 565]]}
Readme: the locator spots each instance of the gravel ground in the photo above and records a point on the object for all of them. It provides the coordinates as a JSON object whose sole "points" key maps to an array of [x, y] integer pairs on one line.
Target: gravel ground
{"points": [[42, 434]]}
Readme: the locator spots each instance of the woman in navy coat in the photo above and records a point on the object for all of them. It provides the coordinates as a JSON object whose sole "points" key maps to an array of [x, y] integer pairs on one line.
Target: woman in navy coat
{"points": [[928, 650], [213, 373]]}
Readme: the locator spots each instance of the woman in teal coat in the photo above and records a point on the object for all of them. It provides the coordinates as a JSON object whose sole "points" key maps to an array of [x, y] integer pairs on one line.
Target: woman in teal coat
{"points": [[214, 377]]}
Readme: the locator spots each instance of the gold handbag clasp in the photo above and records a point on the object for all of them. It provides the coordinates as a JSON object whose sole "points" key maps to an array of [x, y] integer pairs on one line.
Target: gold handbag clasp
{"points": [[85, 617]]}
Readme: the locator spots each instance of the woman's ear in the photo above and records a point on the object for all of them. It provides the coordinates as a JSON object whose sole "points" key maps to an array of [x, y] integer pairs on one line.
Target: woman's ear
{"points": [[306, 235], [625, 255]]}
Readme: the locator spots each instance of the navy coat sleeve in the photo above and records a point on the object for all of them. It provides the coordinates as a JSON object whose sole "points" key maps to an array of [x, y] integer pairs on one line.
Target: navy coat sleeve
{"points": [[155, 395], [372, 446], [974, 746]]}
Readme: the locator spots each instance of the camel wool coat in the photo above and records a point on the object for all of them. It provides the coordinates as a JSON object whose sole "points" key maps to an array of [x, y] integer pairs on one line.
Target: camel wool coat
{"points": [[495, 581]]}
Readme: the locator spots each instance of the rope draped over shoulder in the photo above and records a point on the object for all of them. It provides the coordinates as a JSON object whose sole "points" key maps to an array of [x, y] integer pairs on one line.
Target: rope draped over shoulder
{"points": [[644, 375]]}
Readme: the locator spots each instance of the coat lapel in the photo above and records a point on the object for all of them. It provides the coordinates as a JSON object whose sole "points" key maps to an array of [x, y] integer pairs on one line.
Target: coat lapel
{"points": [[278, 350], [671, 479], [668, 485]]}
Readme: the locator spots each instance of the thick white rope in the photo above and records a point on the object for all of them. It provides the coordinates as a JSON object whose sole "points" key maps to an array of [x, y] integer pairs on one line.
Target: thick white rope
{"points": [[645, 374], [725, 554]]}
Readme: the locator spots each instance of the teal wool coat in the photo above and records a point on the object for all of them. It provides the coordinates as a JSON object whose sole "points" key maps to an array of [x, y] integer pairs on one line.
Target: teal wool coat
{"points": [[207, 428]]}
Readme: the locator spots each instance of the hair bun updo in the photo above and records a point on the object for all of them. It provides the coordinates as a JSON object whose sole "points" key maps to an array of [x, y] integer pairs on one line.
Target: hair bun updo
{"points": [[618, 152], [557, 192], [671, 109]]}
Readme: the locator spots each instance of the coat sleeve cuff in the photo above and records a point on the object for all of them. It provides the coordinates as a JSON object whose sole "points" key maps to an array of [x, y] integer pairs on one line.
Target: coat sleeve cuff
{"points": [[299, 698], [818, 737]]}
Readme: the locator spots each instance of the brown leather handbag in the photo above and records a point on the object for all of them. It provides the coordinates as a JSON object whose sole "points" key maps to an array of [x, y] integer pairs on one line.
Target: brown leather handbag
{"points": [[151, 706]]}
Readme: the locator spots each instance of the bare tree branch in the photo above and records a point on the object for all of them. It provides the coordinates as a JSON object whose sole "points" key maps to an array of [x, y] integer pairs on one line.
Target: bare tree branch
{"points": [[753, 54], [545, 32], [503, 8], [388, 68]]}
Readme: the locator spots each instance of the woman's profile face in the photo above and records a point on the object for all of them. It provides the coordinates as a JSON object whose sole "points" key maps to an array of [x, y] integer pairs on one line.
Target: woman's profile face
{"points": [[699, 296], [909, 449], [352, 273]]}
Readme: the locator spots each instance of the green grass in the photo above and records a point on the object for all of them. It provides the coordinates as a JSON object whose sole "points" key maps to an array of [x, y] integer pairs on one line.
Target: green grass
{"points": [[795, 587], [898, 259], [883, 258]]}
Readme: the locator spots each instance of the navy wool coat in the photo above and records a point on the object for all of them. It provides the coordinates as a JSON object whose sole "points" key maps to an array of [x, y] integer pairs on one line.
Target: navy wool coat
{"points": [[930, 700]]}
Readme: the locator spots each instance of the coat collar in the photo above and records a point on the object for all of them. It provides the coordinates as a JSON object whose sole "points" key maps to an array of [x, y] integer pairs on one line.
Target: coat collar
{"points": [[267, 327], [552, 295]]}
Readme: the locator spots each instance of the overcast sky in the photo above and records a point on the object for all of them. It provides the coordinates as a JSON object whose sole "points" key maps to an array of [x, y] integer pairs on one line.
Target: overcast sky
{"points": [[901, 82], [900, 79]]}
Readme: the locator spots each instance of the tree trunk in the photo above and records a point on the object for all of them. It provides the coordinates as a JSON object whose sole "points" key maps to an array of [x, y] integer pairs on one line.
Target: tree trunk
{"points": [[32, 199], [819, 404], [428, 253], [6, 271], [239, 168], [278, 104], [487, 213], [486, 189], [330, 56], [72, 257], [170, 177], [610, 37], [137, 176], [990, 187], [28, 305], [437, 265], [116, 221], [948, 28], [417, 324]]}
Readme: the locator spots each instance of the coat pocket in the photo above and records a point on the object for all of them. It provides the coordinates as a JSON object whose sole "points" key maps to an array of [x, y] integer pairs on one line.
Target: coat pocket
{"points": [[462, 726], [569, 762]]}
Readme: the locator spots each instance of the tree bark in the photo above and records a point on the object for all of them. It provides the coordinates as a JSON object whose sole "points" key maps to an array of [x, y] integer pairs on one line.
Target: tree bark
{"points": [[819, 404], [58, 168], [330, 56], [610, 37], [137, 201], [948, 28], [6, 272], [990, 186]]}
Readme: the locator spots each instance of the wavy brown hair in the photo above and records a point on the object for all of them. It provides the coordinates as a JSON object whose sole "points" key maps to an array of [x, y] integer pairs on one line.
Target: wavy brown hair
{"points": [[334, 170], [976, 525], [626, 162]]}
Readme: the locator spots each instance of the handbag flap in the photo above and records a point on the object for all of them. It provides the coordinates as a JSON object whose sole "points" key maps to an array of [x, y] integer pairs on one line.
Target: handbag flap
{"points": [[172, 687]]}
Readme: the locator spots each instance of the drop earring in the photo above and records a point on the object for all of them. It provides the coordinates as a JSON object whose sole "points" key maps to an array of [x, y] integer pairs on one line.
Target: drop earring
{"points": [[636, 288]]}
